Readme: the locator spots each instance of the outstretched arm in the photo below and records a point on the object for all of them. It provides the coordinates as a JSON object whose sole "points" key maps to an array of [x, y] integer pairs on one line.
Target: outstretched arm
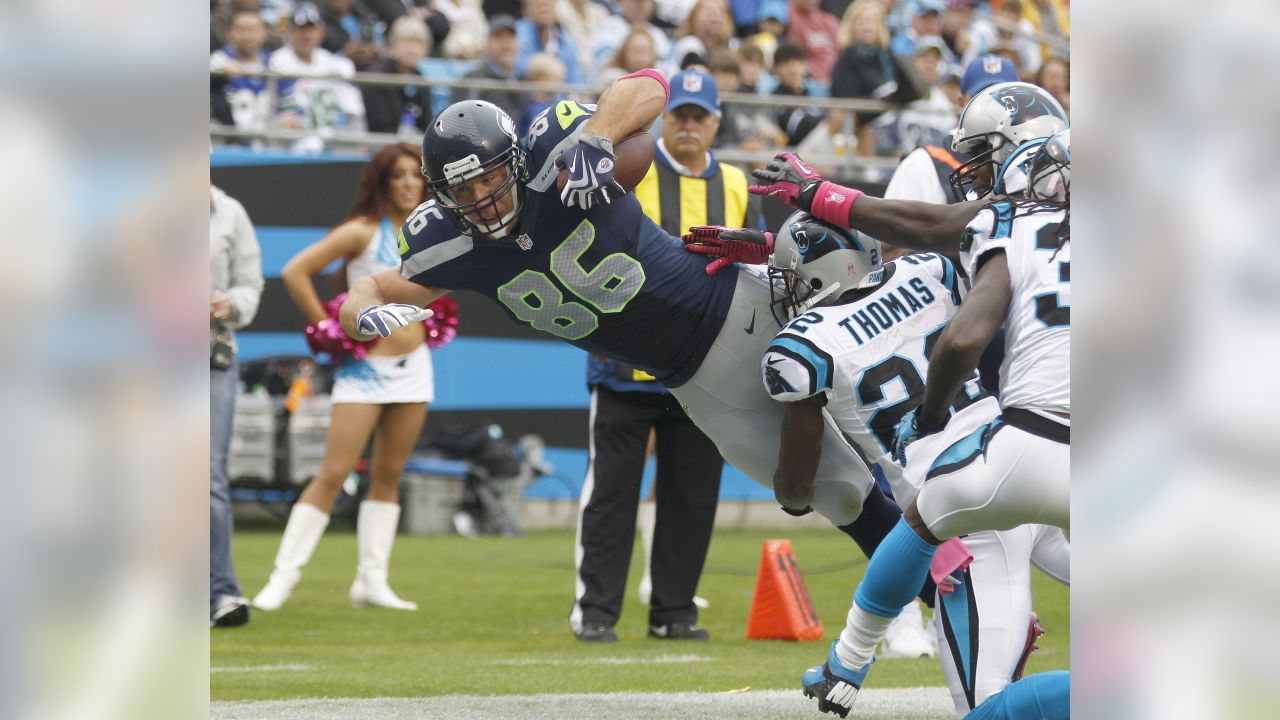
{"points": [[906, 223], [387, 289], [965, 337]]}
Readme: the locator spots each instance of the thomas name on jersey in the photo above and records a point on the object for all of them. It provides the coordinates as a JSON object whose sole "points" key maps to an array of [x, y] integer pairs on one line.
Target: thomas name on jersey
{"points": [[881, 315]]}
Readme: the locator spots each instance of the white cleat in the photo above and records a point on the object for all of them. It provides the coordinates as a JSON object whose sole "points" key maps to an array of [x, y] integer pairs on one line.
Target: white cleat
{"points": [[906, 637]]}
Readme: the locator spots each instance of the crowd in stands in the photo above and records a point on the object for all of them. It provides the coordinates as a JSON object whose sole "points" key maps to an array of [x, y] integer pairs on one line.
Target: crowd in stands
{"points": [[911, 53]]}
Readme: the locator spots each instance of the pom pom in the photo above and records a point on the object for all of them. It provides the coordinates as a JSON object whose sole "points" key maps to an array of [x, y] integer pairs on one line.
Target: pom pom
{"points": [[443, 325], [327, 336]]}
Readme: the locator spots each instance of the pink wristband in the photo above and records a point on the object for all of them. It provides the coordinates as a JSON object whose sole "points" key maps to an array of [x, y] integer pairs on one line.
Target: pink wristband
{"points": [[654, 74], [832, 203]]}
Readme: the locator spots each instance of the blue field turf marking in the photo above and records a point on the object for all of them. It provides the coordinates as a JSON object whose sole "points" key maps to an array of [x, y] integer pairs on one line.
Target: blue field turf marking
{"points": [[239, 157]]}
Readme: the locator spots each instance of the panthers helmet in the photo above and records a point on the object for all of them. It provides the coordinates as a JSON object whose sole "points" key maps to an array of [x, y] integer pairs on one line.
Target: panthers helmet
{"points": [[465, 141], [815, 261], [1050, 170], [994, 123]]}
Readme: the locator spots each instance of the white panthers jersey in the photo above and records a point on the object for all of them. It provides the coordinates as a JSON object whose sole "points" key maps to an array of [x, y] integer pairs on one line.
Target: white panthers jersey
{"points": [[1036, 373], [870, 357]]}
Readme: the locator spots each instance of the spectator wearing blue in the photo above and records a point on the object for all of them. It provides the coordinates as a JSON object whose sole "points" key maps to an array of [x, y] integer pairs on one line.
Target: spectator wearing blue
{"points": [[240, 99], [983, 72], [539, 31], [925, 22]]}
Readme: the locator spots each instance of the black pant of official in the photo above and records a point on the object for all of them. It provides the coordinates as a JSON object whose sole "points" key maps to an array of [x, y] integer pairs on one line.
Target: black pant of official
{"points": [[688, 486]]}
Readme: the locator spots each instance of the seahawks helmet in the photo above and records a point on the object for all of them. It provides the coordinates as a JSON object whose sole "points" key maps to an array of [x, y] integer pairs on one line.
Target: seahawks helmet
{"points": [[465, 141], [994, 123], [1050, 170], [815, 261]]}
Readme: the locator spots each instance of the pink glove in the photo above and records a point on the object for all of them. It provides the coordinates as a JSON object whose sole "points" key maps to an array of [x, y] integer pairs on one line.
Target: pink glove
{"points": [[787, 178], [729, 245], [796, 183]]}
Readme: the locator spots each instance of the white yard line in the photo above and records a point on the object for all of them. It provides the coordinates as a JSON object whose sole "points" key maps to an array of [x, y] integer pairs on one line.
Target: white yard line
{"points": [[933, 703], [656, 660], [262, 668]]}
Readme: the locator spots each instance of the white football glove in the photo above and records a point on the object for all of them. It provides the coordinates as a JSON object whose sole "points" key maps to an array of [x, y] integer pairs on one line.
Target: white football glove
{"points": [[386, 319]]}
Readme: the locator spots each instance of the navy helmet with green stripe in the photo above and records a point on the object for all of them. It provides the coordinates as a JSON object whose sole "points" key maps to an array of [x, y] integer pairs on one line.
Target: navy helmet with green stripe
{"points": [[814, 261]]}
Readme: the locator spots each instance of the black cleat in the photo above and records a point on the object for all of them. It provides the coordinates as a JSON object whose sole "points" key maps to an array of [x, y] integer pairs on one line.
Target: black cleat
{"points": [[678, 631], [596, 634]]}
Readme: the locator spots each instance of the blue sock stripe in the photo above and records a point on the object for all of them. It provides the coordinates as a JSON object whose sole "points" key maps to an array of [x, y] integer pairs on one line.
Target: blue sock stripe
{"points": [[895, 573]]}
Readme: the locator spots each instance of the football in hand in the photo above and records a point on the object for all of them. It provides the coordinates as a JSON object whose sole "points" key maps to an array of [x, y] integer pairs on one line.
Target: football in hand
{"points": [[634, 153]]}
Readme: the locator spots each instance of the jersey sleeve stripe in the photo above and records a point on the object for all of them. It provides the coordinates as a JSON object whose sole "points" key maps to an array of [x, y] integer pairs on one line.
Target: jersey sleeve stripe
{"points": [[949, 278], [546, 175], [809, 355], [424, 260]]}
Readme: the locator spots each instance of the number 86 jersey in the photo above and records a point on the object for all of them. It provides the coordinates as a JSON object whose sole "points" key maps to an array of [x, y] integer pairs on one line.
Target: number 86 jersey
{"points": [[608, 280], [1036, 372]]}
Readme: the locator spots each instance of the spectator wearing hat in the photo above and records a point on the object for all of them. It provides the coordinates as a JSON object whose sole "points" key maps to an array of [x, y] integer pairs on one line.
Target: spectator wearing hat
{"points": [[406, 108], [815, 30], [316, 100], [926, 121], [539, 31], [924, 174], [926, 22], [983, 72], [609, 36], [498, 63], [685, 186]]}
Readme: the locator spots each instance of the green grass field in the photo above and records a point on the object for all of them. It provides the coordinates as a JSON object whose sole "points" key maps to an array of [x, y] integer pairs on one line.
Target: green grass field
{"points": [[493, 620]]}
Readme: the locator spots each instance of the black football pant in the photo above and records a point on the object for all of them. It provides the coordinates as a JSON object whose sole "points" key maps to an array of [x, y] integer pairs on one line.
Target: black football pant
{"points": [[688, 486]]}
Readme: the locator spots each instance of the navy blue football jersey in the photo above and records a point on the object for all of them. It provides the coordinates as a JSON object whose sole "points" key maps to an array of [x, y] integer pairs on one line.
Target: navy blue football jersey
{"points": [[608, 279]]}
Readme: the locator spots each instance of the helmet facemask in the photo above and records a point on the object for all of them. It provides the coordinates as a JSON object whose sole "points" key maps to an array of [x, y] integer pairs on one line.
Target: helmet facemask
{"points": [[468, 215], [1050, 172], [814, 262], [970, 177]]}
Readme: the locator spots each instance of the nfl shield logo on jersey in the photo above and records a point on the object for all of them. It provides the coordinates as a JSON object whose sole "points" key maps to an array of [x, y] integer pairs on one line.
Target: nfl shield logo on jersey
{"points": [[524, 242]]}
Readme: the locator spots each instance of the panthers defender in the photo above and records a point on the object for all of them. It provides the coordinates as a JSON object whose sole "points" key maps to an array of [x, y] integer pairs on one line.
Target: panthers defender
{"points": [[858, 349], [1010, 471], [588, 267]]}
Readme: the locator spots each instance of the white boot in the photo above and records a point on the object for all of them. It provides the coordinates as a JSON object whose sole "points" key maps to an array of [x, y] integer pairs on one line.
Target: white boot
{"points": [[375, 534], [301, 534], [645, 520]]}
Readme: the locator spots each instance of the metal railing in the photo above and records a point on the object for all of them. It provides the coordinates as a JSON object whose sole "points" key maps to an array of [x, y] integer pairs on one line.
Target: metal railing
{"points": [[363, 140]]}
